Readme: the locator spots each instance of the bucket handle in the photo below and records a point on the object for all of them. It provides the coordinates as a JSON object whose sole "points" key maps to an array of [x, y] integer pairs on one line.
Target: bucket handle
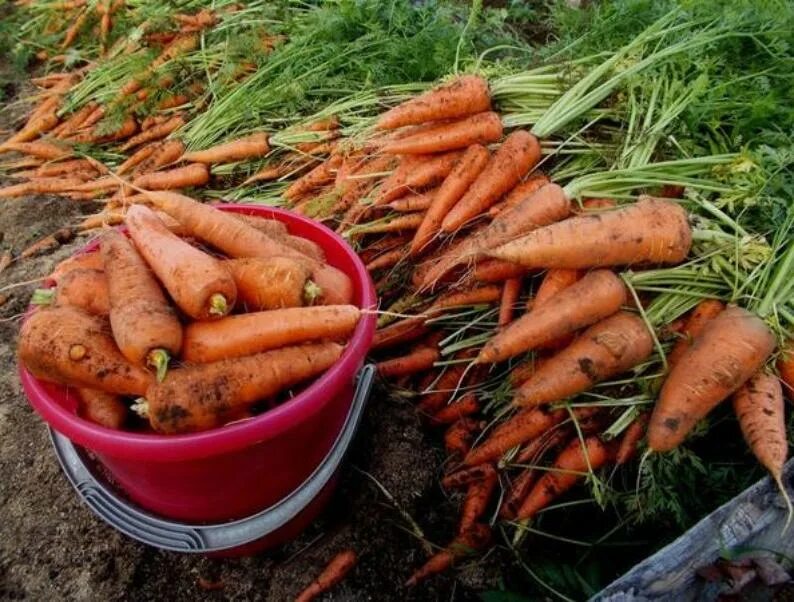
{"points": [[196, 538]]}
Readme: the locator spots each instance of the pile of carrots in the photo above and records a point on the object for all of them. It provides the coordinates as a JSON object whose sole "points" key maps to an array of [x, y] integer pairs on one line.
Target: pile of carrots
{"points": [[200, 317]]}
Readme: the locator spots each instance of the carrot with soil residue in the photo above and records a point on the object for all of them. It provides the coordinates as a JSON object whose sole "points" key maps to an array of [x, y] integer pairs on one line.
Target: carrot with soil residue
{"points": [[332, 574], [272, 283], [482, 128], [465, 544], [104, 409], [704, 312]]}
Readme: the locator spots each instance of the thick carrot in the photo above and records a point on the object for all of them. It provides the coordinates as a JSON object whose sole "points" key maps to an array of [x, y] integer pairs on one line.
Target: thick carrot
{"points": [[704, 312], [87, 261], [760, 409], [465, 406], [144, 324], [547, 205], [421, 358], [515, 157], [198, 283], [323, 174], [458, 437], [466, 476], [598, 295], [197, 398], [67, 346], [496, 271], [136, 158], [191, 175], [466, 95], [555, 281], [465, 544], [420, 201], [511, 291], [40, 149], [104, 409], [649, 231], [631, 438], [85, 289], [730, 350], [476, 502], [156, 133], [237, 239], [249, 147], [482, 128], [606, 349], [247, 334], [463, 174], [520, 193], [415, 173], [400, 332], [571, 465], [272, 283], [785, 367], [332, 574], [167, 153]]}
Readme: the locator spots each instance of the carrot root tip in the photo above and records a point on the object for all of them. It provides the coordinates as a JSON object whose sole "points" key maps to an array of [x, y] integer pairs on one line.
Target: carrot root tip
{"points": [[141, 407], [311, 292], [158, 359], [43, 296], [218, 305]]}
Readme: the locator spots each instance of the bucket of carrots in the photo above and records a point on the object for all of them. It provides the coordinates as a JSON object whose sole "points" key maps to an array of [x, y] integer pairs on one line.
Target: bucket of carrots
{"points": [[210, 365]]}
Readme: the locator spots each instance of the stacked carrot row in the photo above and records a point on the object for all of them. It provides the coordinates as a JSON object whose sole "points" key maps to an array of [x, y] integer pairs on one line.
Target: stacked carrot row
{"points": [[246, 328]]}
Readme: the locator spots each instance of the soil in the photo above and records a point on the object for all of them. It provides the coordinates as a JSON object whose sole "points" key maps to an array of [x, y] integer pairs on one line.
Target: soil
{"points": [[53, 547]]}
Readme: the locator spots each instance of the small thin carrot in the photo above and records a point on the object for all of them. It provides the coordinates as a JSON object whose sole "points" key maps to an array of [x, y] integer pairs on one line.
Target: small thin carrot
{"points": [[704, 312], [156, 133], [497, 271], [520, 193], [631, 438], [420, 201], [465, 544], [248, 147], [5, 261], [358, 183], [48, 243], [458, 437], [166, 154], [421, 358], [417, 172], [465, 406], [136, 158], [466, 476], [482, 128], [445, 386], [477, 498], [785, 367], [511, 291], [323, 174], [63, 168], [332, 574], [40, 149], [104, 409], [75, 121], [520, 374], [191, 175], [386, 260], [74, 29], [400, 332], [397, 223]]}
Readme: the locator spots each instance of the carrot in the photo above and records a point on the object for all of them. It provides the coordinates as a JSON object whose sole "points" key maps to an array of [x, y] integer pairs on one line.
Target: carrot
{"points": [[465, 406], [248, 147], [554, 282], [421, 358], [523, 427], [40, 149], [458, 437], [63, 167], [596, 296], [465, 544], [571, 465], [631, 438], [463, 174], [104, 409], [48, 243], [466, 95], [475, 296], [649, 231], [198, 398], [5, 261], [400, 332], [362, 180], [198, 283], [730, 350], [547, 205], [445, 386], [510, 294], [760, 409], [606, 349], [396, 223], [87, 261], [520, 374], [272, 283], [482, 128], [67, 346], [127, 129], [191, 175], [237, 239], [74, 29], [156, 133], [476, 502], [497, 271], [144, 325], [136, 158], [520, 193], [413, 202], [515, 157], [167, 153], [100, 184], [173, 101], [466, 476], [387, 260], [248, 334], [415, 173], [596, 205], [321, 175], [85, 289], [785, 367], [332, 574], [704, 312]]}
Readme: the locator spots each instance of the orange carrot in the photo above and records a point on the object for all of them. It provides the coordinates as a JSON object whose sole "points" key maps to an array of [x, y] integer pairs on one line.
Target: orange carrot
{"points": [[85, 289], [510, 294], [104, 409], [631, 438], [248, 147], [515, 157], [555, 281], [197, 398], [413, 202], [606, 349], [237, 239], [466, 95], [476, 502], [785, 367], [759, 407], [465, 406], [247, 334], [417, 172], [400, 332], [272, 283], [40, 149], [704, 312], [321, 175], [596, 205], [198, 283], [67, 346], [397, 223], [74, 29], [445, 386], [465, 544], [156, 133], [520, 193], [75, 121], [458, 437], [191, 175], [463, 174], [497, 271], [144, 325], [127, 129], [572, 464], [730, 350], [387, 260], [48, 243], [136, 158], [421, 358], [649, 231], [482, 128], [596, 296], [475, 296], [520, 374], [167, 153], [466, 476], [87, 261], [355, 185], [340, 565]]}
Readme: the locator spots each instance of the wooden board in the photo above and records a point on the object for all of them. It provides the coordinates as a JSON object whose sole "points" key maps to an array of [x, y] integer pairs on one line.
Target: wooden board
{"points": [[754, 519]]}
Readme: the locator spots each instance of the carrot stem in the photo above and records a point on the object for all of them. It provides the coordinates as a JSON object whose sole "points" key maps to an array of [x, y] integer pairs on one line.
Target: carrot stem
{"points": [[43, 296], [158, 359], [218, 305]]}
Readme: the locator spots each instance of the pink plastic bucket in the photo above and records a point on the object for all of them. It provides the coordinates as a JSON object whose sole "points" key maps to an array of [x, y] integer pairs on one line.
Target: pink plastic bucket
{"points": [[240, 469]]}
